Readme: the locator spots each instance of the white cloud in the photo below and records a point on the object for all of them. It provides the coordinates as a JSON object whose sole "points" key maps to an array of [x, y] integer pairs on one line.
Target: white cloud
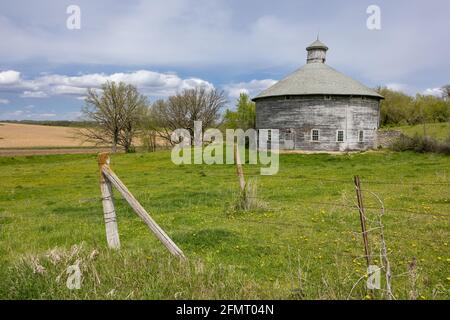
{"points": [[148, 82], [45, 115], [437, 92], [26, 113], [34, 94], [398, 87], [9, 77], [4, 101], [252, 88]]}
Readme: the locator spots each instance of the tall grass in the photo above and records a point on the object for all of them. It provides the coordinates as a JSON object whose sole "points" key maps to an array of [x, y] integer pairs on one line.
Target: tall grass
{"points": [[125, 274]]}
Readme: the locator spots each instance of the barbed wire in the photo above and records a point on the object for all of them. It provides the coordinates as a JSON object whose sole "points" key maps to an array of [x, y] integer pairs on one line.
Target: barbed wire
{"points": [[299, 177]]}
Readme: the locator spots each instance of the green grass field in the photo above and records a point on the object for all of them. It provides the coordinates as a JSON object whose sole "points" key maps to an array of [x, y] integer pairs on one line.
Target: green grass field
{"points": [[305, 244], [439, 131]]}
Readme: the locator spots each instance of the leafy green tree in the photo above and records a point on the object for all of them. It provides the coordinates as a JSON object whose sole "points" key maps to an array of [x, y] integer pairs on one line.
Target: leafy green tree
{"points": [[399, 108], [395, 108], [430, 109], [245, 115]]}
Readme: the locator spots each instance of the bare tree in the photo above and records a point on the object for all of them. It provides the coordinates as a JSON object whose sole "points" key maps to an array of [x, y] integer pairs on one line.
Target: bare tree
{"points": [[181, 110], [115, 110]]}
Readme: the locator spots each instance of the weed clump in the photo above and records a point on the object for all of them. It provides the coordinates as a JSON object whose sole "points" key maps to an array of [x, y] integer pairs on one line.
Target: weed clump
{"points": [[247, 200]]}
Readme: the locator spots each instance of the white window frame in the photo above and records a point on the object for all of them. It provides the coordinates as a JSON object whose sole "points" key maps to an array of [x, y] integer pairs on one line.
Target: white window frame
{"points": [[318, 135], [361, 139], [337, 136]]}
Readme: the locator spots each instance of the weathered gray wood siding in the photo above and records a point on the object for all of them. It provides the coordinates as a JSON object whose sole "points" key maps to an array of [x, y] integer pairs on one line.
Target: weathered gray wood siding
{"points": [[327, 114]]}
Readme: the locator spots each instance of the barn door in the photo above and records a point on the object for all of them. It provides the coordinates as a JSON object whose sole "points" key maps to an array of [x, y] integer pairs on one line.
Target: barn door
{"points": [[289, 137]]}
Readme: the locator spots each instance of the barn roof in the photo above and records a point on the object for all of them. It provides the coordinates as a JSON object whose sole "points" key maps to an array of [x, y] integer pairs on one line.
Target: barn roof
{"points": [[317, 78]]}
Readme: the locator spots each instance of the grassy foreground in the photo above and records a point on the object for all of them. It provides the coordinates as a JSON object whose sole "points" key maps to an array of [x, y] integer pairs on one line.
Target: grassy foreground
{"points": [[304, 244]]}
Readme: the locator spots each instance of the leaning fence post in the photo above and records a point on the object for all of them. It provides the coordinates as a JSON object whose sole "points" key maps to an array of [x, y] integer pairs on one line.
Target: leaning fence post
{"points": [[109, 212], [240, 172], [362, 217], [141, 212]]}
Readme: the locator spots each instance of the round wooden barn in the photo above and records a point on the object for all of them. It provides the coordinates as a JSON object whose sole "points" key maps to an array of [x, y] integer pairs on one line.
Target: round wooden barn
{"points": [[319, 108]]}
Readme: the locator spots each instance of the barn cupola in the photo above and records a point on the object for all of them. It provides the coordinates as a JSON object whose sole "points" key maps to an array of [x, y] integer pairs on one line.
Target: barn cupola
{"points": [[317, 52]]}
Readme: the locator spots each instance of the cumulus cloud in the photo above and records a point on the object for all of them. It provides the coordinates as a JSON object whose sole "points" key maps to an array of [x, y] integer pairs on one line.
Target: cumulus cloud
{"points": [[9, 77], [437, 92], [4, 101], [148, 82], [252, 88], [398, 87], [27, 113]]}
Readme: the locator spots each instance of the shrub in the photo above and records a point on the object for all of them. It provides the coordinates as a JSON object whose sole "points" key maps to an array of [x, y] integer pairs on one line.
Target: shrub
{"points": [[421, 144]]}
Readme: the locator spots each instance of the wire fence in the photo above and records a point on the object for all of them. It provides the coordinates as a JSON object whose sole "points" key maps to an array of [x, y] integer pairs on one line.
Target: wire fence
{"points": [[298, 202]]}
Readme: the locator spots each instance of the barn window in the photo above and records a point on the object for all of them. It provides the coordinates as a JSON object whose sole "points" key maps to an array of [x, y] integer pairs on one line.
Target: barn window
{"points": [[327, 97], [361, 136], [340, 136], [314, 135]]}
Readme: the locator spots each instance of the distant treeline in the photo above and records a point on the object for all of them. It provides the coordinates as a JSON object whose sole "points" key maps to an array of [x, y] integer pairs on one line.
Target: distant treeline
{"points": [[400, 109], [57, 123]]}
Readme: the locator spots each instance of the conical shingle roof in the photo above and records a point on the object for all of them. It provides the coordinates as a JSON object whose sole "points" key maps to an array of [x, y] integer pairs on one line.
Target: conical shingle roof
{"points": [[317, 78]]}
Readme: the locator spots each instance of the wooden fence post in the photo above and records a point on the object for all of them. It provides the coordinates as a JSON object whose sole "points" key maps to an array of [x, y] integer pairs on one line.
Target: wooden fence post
{"points": [[240, 172], [142, 213], [362, 217], [109, 213]]}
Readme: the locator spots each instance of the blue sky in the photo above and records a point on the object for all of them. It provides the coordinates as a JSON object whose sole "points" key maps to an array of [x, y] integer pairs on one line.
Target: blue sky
{"points": [[165, 46]]}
